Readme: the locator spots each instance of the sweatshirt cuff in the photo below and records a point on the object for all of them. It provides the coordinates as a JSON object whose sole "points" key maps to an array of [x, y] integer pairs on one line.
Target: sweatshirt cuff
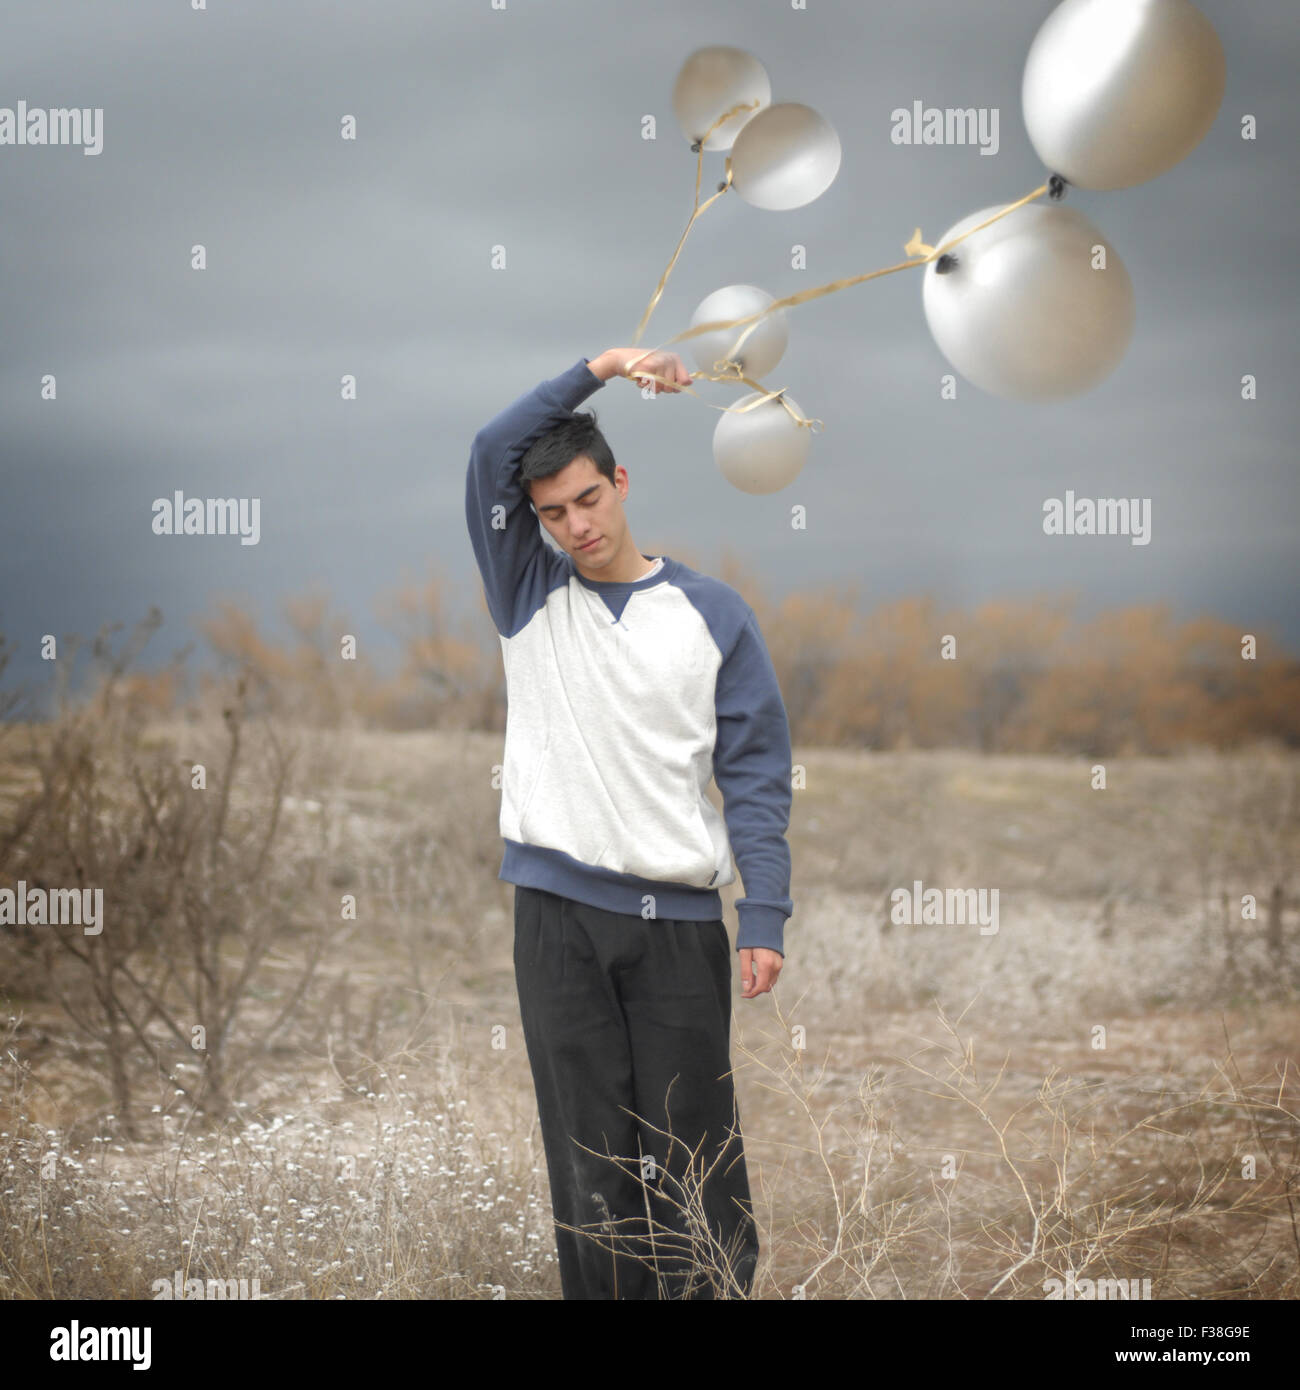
{"points": [[573, 387], [760, 926]]}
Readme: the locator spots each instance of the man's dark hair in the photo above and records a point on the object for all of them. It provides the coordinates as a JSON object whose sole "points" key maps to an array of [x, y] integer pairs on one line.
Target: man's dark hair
{"points": [[559, 447]]}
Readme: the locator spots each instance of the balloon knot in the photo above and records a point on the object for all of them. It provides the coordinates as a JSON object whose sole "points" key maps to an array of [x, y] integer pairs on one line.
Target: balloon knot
{"points": [[1056, 187], [695, 147], [946, 263]]}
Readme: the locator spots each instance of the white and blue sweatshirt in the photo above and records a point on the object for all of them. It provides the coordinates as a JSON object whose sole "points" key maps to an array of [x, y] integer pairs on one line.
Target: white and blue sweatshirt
{"points": [[623, 701]]}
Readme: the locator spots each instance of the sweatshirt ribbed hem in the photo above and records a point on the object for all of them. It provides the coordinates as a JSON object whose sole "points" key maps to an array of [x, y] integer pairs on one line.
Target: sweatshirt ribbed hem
{"points": [[553, 871]]}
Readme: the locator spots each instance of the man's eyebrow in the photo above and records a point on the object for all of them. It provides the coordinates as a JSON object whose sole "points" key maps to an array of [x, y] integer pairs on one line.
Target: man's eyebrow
{"points": [[553, 506]]}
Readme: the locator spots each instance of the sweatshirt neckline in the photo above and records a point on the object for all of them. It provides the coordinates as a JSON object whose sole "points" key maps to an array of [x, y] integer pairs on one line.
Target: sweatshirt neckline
{"points": [[647, 581]]}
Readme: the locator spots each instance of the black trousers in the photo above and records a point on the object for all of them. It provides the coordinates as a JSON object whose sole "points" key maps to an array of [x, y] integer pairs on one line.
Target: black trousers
{"points": [[627, 1024]]}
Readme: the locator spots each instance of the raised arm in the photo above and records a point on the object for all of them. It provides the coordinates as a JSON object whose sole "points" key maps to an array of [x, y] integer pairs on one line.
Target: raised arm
{"points": [[503, 528], [502, 525]]}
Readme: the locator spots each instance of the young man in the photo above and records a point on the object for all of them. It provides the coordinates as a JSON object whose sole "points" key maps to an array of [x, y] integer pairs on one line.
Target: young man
{"points": [[630, 680]]}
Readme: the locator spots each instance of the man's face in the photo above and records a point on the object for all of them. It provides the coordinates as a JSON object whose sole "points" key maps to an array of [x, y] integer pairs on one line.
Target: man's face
{"points": [[580, 507]]}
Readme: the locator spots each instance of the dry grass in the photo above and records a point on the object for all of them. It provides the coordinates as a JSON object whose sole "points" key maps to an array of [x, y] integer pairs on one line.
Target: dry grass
{"points": [[928, 1112]]}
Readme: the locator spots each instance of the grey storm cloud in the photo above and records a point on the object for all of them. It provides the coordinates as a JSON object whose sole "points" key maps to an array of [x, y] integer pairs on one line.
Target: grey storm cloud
{"points": [[522, 128]]}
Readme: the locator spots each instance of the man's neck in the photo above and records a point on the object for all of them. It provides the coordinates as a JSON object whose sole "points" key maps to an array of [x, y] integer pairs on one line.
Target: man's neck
{"points": [[627, 566]]}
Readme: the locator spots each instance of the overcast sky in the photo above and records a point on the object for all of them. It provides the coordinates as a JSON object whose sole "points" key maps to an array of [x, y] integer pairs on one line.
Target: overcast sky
{"points": [[522, 127]]}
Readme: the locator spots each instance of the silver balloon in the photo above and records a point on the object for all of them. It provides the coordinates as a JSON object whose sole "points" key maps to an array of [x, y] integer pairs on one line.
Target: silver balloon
{"points": [[1023, 313], [785, 157], [1117, 91], [761, 350], [711, 81], [762, 450]]}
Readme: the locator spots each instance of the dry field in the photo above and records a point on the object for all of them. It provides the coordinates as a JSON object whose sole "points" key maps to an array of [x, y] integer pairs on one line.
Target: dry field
{"points": [[1106, 1085]]}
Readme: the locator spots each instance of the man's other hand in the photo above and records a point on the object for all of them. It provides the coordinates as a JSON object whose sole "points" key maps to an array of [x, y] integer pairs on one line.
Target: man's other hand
{"points": [[759, 968]]}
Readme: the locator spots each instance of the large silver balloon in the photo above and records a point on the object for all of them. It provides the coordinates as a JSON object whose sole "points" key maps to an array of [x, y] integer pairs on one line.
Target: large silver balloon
{"points": [[764, 347], [711, 81], [1023, 313], [1117, 91], [763, 449], [785, 157]]}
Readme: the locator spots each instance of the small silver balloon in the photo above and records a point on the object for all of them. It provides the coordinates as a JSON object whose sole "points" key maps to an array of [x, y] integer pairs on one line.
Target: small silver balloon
{"points": [[1023, 312], [761, 350], [785, 157], [761, 450], [713, 80], [1117, 91]]}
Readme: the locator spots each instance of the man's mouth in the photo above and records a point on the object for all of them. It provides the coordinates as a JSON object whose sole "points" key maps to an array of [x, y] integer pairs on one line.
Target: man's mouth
{"points": [[590, 544]]}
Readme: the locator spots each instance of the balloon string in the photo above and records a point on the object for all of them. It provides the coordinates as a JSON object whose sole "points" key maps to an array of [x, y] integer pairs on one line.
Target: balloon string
{"points": [[695, 212], [763, 396], [916, 248]]}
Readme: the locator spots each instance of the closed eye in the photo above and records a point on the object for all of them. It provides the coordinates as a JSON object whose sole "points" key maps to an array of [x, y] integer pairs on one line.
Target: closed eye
{"points": [[552, 511]]}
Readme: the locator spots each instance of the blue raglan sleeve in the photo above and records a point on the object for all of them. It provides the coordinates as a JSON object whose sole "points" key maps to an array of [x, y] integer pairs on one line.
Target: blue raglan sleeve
{"points": [[752, 765], [503, 528]]}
